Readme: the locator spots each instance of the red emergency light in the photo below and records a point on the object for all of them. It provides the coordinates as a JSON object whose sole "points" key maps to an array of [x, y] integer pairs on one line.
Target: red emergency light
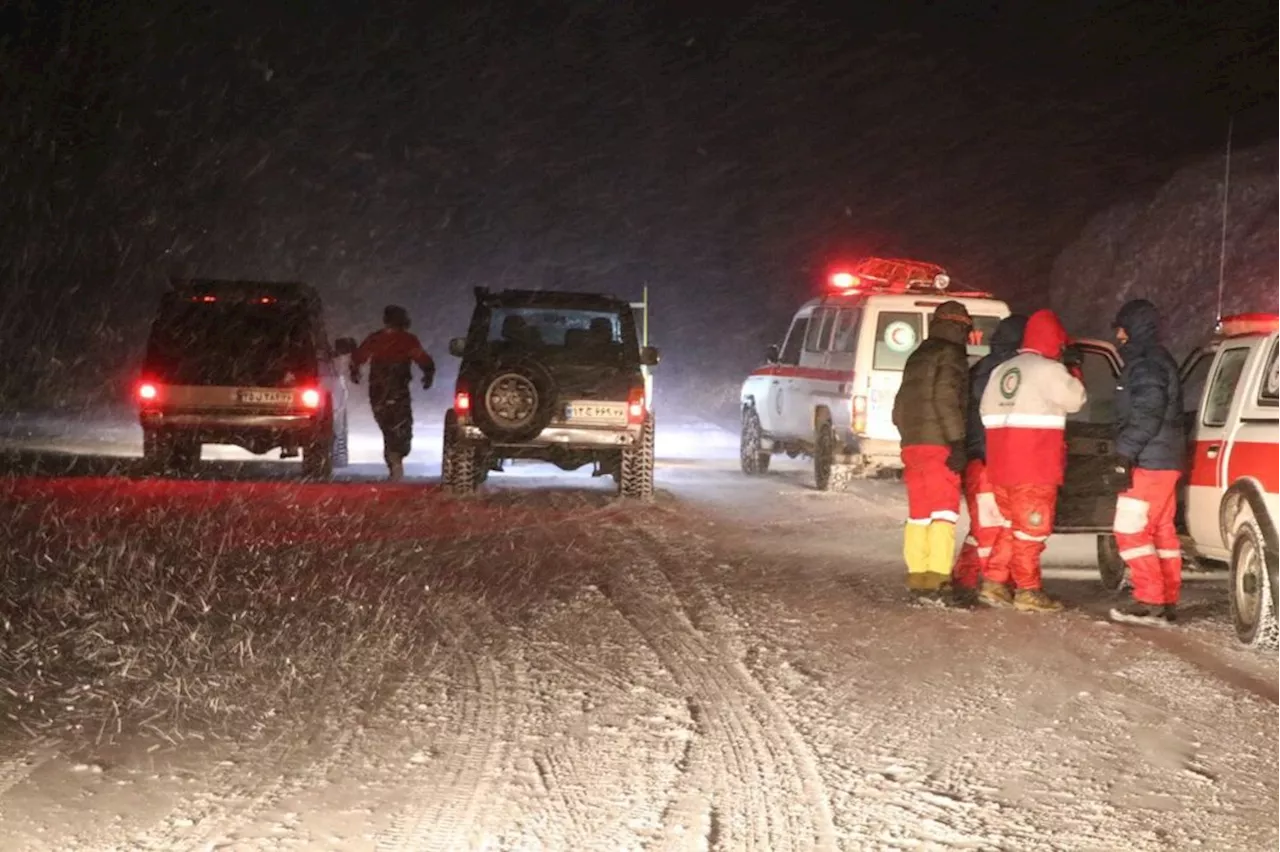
{"points": [[1239, 325], [846, 282]]}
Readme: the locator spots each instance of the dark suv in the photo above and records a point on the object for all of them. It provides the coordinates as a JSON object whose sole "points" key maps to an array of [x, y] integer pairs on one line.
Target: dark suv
{"points": [[551, 376], [242, 363]]}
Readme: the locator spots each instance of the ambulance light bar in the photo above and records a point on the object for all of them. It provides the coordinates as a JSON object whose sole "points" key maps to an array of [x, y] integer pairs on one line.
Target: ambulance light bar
{"points": [[1240, 325]]}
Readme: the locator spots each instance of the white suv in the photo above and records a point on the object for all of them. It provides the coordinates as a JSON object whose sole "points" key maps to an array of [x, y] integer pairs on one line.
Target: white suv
{"points": [[827, 392]]}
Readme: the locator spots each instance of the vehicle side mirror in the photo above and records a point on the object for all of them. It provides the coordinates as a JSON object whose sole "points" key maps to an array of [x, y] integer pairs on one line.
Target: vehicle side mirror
{"points": [[650, 356], [772, 354], [344, 346], [458, 346]]}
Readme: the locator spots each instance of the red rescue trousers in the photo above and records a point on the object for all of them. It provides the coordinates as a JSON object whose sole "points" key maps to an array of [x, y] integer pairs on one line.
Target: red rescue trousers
{"points": [[933, 489], [1028, 520], [933, 508], [1147, 538], [985, 522]]}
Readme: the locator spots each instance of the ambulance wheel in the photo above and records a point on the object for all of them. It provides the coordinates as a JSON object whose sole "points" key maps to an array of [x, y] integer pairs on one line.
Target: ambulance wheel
{"points": [[1111, 568], [1253, 605], [754, 460], [827, 474]]}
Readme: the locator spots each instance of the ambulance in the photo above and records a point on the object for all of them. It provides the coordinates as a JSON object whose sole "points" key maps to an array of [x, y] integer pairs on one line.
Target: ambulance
{"points": [[827, 391], [1231, 498]]}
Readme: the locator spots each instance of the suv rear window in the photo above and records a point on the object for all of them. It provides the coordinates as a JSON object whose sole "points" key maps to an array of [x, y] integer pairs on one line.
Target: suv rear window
{"points": [[567, 330], [897, 336], [229, 344]]}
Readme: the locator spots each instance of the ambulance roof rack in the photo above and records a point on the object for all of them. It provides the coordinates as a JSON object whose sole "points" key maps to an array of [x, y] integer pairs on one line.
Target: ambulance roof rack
{"points": [[894, 275], [1243, 325]]}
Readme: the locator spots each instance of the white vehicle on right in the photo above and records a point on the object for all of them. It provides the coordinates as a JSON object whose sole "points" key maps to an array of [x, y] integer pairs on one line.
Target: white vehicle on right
{"points": [[1231, 498]]}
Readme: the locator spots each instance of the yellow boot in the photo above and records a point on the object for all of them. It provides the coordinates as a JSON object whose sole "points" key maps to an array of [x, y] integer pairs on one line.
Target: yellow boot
{"points": [[941, 536], [915, 550]]}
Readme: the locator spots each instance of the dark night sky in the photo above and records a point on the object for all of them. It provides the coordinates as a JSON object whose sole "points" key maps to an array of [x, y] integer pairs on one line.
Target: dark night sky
{"points": [[402, 151]]}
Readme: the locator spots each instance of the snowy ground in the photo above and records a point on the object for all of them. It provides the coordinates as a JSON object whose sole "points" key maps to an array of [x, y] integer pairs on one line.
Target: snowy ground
{"points": [[362, 666]]}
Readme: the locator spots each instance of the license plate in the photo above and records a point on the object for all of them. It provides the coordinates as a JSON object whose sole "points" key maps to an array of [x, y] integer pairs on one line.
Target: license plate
{"points": [[598, 412], [266, 397]]}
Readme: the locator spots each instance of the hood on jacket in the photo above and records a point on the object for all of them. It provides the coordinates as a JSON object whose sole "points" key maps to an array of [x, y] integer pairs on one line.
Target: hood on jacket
{"points": [[951, 322], [1007, 337], [1044, 335], [1141, 321]]}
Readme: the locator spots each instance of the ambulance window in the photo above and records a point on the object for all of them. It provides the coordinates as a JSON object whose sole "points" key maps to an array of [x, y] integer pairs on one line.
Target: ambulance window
{"points": [[1099, 377], [897, 336], [1269, 393], [1193, 379], [846, 338], [1217, 406], [820, 330], [980, 337], [791, 349]]}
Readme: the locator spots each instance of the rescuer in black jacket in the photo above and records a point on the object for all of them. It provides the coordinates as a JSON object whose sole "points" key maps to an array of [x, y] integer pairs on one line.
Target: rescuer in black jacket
{"points": [[1150, 448]]}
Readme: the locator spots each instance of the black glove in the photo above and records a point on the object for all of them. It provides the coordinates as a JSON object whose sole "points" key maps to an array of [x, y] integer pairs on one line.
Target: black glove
{"points": [[1072, 356], [958, 458], [1121, 470], [355, 375], [428, 378]]}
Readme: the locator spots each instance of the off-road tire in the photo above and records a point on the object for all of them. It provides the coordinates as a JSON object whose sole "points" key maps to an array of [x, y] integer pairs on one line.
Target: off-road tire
{"points": [[755, 461], [1112, 570], [458, 473], [318, 456], [342, 443], [636, 480], [828, 474], [1253, 604], [530, 378]]}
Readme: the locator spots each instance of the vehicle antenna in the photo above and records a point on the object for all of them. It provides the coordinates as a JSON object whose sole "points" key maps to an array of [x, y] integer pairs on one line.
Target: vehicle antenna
{"points": [[1222, 248]]}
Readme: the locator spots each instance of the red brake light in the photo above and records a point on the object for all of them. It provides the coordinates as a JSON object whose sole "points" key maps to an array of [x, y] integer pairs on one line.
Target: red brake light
{"points": [[204, 298], [636, 406], [462, 402], [148, 392], [311, 398]]}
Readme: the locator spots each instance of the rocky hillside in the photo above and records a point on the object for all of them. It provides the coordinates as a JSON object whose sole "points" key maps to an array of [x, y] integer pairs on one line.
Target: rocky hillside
{"points": [[1165, 247]]}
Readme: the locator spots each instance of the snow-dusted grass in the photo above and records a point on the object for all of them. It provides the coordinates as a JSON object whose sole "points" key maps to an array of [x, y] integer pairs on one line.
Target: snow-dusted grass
{"points": [[195, 606]]}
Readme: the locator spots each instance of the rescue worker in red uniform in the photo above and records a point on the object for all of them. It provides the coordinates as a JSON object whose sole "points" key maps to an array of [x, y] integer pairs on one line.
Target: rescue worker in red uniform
{"points": [[985, 519], [1024, 411], [930, 412], [1150, 451], [390, 352]]}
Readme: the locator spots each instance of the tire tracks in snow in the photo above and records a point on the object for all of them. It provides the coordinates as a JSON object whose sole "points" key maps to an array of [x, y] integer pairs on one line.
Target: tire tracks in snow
{"points": [[449, 795], [750, 780]]}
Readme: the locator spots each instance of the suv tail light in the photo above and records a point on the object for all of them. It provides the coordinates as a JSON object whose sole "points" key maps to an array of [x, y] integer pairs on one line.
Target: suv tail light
{"points": [[859, 414], [635, 406], [148, 392], [462, 403], [311, 399]]}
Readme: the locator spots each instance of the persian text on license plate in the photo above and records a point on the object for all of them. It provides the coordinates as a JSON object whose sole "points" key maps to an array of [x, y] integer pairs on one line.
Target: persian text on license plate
{"points": [[596, 411], [266, 397]]}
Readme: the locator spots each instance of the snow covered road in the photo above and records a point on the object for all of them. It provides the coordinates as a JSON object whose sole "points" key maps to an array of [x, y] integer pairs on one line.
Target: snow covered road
{"points": [[360, 666]]}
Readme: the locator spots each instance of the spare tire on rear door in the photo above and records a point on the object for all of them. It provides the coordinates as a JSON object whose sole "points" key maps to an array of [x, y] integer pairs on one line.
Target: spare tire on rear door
{"points": [[514, 401]]}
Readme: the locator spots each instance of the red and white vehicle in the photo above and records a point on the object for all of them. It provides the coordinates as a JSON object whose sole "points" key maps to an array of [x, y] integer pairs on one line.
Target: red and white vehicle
{"points": [[1232, 492], [827, 392]]}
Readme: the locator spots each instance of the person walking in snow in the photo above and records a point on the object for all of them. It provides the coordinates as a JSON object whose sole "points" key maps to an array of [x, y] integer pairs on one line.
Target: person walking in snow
{"points": [[1150, 452], [1024, 412], [390, 352], [985, 520], [930, 412]]}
